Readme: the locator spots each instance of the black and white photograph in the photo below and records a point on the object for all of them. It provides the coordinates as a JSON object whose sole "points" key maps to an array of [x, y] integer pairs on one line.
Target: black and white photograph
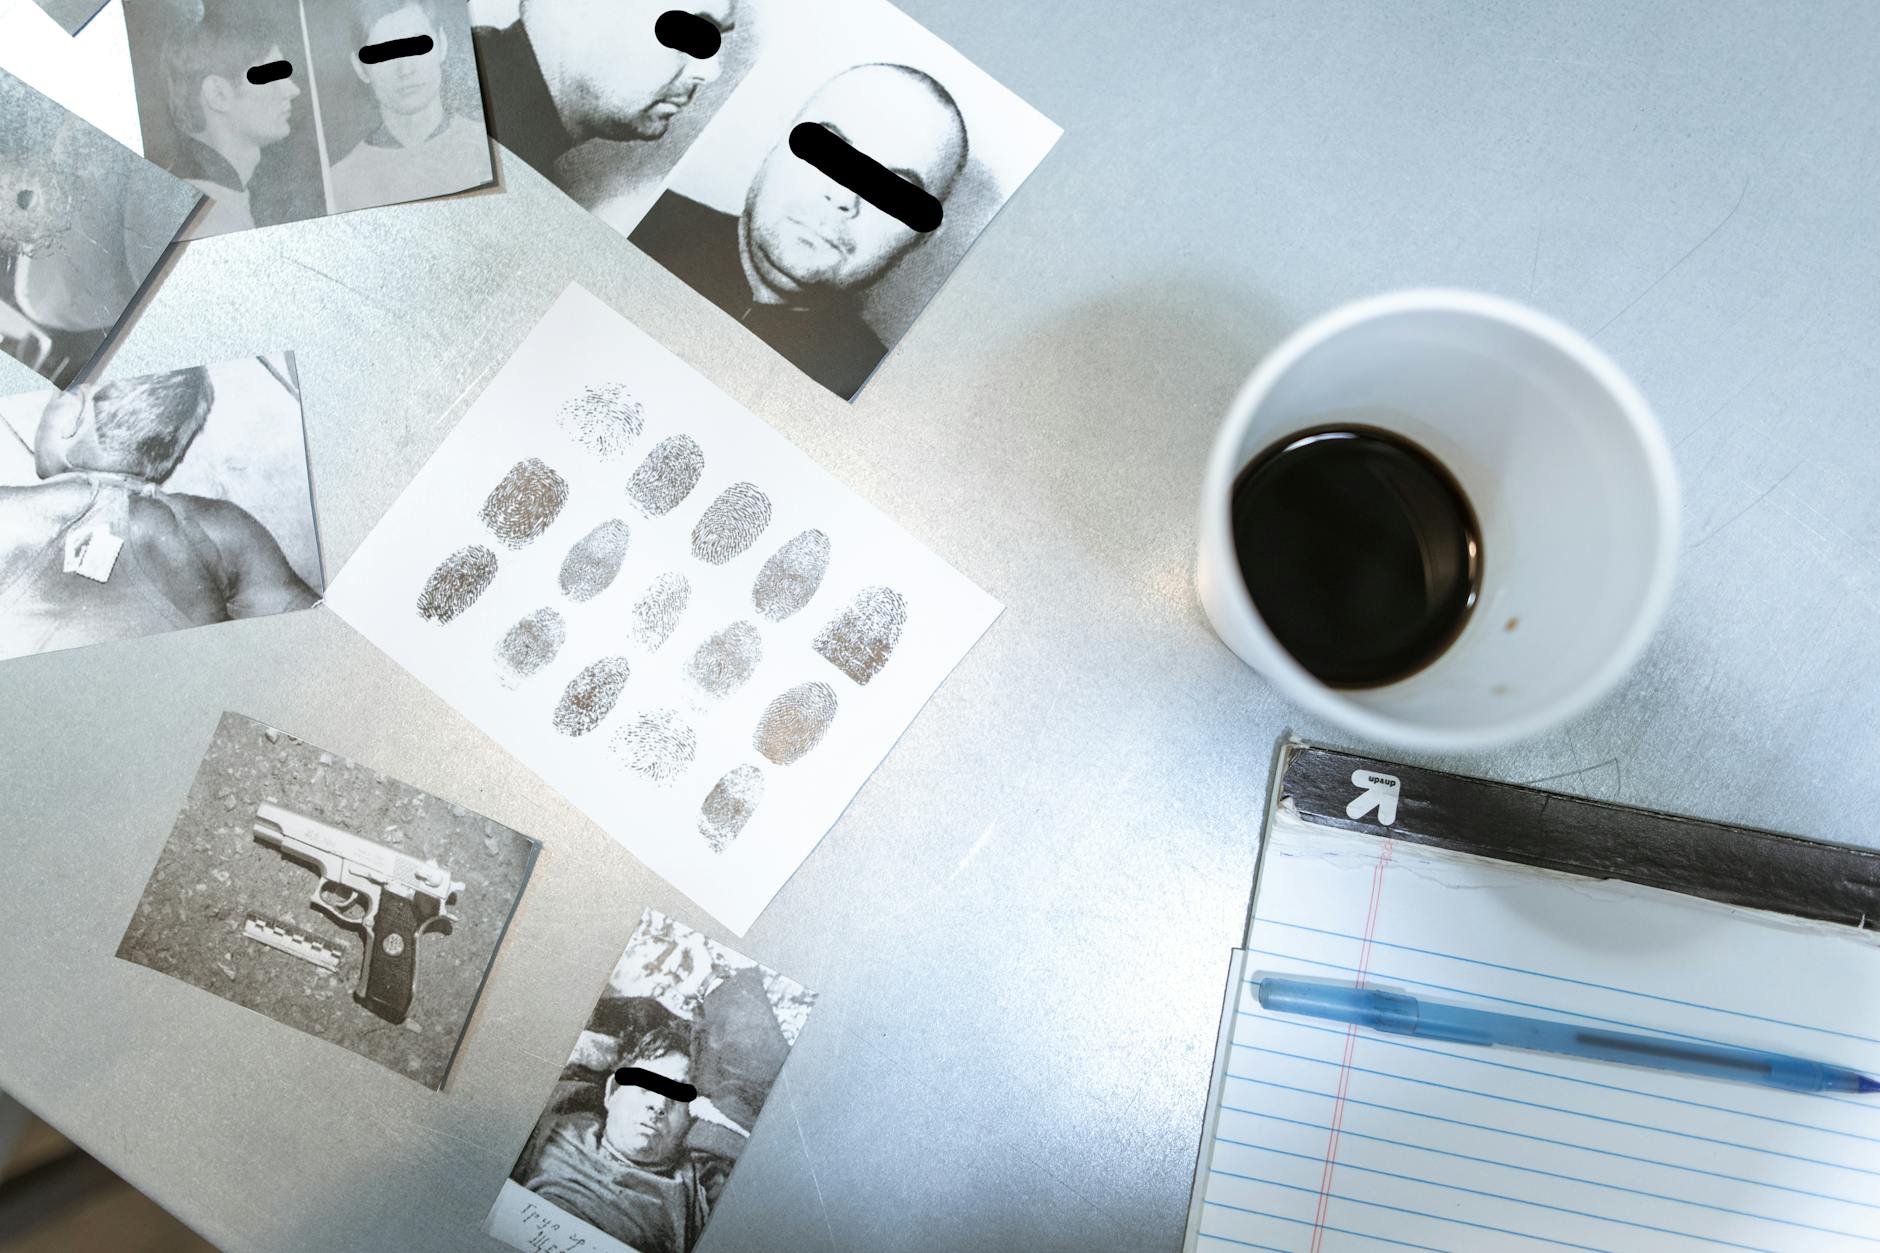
{"points": [[657, 1100], [405, 128], [821, 273], [153, 504], [71, 14], [84, 222], [592, 98], [321, 893], [280, 111]]}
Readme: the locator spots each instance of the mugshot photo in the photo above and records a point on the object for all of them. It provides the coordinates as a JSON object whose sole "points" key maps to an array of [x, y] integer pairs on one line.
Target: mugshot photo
{"points": [[146, 505], [84, 222], [406, 127], [235, 96], [647, 101], [824, 275], [330, 897], [617, 1150]]}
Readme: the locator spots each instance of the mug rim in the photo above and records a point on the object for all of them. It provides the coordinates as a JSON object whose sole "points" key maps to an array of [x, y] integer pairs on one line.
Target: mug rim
{"points": [[1304, 689]]}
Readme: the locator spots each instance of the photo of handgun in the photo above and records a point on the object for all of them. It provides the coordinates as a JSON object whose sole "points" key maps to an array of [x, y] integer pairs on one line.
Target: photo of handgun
{"points": [[387, 896]]}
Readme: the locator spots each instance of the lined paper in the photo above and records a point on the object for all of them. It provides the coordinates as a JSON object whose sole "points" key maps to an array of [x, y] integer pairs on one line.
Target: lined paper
{"points": [[1328, 1137]]}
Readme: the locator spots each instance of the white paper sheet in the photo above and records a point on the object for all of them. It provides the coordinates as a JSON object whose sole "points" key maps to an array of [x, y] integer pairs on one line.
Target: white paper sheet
{"points": [[90, 73], [1334, 1138], [570, 399]]}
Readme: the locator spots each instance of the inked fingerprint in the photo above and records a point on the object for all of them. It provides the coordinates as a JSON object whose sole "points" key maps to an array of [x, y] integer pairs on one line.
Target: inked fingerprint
{"points": [[604, 419], [860, 639], [795, 722], [530, 644], [594, 561], [729, 805], [525, 503], [590, 696], [667, 476], [731, 525], [658, 745], [722, 663], [791, 576], [456, 583], [659, 610]]}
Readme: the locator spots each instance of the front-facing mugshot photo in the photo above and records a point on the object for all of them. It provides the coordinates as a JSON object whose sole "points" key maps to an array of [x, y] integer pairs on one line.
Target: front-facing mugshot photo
{"points": [[821, 273]]}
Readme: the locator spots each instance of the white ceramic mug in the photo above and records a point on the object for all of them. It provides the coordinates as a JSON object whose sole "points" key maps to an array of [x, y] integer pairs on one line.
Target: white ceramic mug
{"points": [[1567, 471]]}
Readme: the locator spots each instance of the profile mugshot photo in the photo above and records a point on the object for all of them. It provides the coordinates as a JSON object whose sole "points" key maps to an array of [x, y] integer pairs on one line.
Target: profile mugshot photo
{"points": [[808, 263], [588, 94], [248, 146]]}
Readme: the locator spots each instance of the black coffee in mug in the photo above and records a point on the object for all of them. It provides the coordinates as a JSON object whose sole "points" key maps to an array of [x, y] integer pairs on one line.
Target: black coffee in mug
{"points": [[1359, 550]]}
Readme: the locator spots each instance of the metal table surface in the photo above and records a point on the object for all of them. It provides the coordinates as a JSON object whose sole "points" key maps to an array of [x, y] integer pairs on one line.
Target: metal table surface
{"points": [[1020, 928]]}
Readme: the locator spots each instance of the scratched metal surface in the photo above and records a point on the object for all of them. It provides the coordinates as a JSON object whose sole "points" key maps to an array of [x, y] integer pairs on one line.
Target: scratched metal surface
{"points": [[1021, 927]]}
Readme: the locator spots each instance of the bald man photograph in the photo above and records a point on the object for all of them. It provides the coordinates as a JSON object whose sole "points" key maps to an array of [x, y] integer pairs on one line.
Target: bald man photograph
{"points": [[794, 266]]}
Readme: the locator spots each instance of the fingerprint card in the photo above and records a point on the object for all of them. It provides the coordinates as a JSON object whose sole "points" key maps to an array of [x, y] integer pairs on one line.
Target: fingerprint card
{"points": [[674, 617], [657, 1100]]}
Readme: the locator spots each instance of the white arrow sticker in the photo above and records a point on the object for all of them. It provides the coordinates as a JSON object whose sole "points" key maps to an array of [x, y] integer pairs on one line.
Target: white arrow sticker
{"points": [[1380, 793]]}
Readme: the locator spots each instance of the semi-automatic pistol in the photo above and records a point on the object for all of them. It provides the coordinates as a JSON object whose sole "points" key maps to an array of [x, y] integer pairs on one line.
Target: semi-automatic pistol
{"points": [[388, 897]]}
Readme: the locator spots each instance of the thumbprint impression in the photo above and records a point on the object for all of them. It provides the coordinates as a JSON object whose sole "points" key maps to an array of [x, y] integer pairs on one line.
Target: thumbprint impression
{"points": [[859, 640], [594, 561], [795, 722], [603, 419], [590, 696], [659, 610], [791, 576], [525, 503], [530, 644], [731, 525], [724, 661], [456, 583], [667, 476], [658, 745], [729, 805]]}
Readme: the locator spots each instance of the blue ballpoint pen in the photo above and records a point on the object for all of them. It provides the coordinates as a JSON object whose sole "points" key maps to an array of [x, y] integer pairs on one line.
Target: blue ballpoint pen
{"points": [[1396, 1014]]}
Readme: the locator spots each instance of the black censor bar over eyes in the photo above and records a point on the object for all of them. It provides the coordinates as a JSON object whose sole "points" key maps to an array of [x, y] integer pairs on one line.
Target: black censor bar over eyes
{"points": [[658, 1084], [865, 176], [272, 72], [688, 33], [393, 49]]}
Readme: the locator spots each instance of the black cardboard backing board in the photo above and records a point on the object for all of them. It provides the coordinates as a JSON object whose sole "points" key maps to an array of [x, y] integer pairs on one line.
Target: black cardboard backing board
{"points": [[1732, 865]]}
